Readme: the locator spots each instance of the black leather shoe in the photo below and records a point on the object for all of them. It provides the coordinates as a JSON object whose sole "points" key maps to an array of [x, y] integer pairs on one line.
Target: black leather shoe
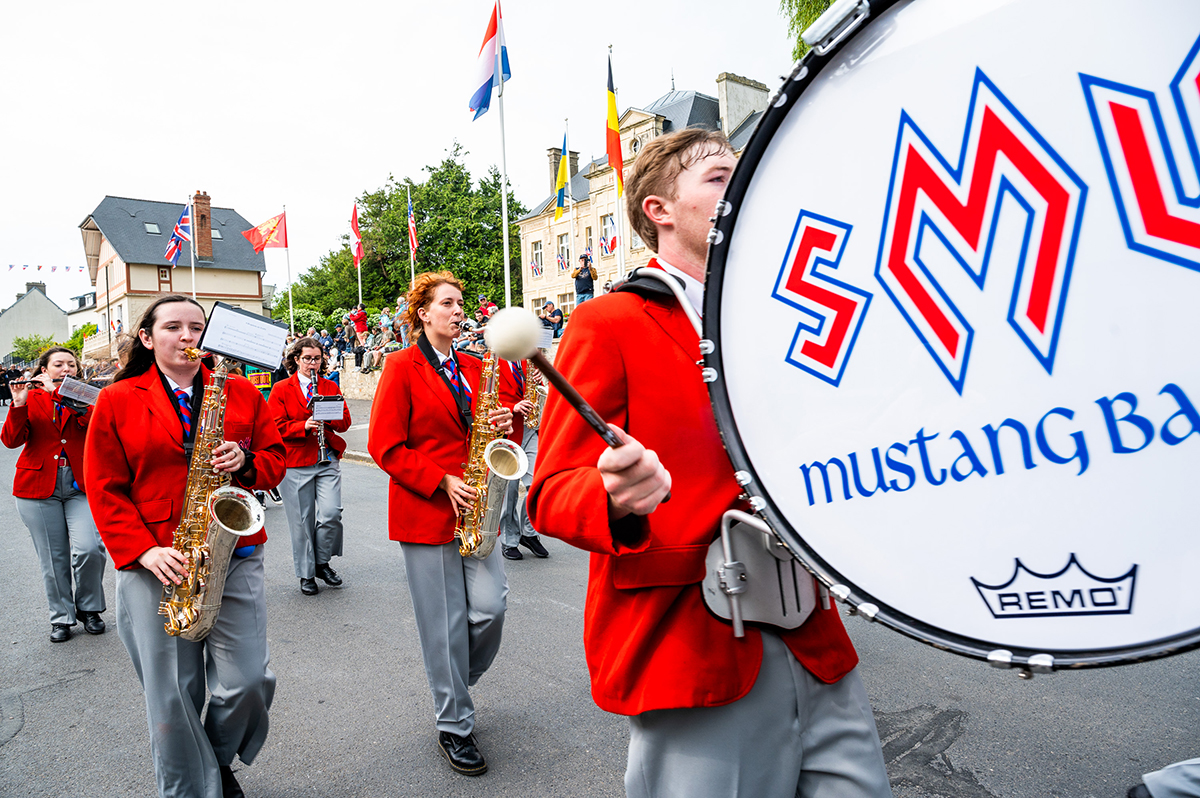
{"points": [[59, 633], [535, 546], [1138, 791], [512, 553], [275, 497], [462, 754], [92, 623], [229, 785], [309, 587], [328, 575]]}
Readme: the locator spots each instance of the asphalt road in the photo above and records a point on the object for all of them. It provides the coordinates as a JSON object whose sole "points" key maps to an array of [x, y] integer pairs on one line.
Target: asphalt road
{"points": [[353, 716]]}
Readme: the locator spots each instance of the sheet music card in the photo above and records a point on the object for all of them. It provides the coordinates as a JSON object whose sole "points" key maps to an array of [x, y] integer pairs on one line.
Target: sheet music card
{"points": [[244, 336], [328, 408], [80, 391]]}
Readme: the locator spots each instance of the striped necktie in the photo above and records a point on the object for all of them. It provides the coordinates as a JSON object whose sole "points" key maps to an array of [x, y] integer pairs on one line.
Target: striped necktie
{"points": [[519, 376], [185, 410], [459, 385], [308, 395]]}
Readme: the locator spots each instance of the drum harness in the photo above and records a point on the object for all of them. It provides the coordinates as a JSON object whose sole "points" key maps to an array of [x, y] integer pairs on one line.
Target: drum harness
{"points": [[739, 590]]}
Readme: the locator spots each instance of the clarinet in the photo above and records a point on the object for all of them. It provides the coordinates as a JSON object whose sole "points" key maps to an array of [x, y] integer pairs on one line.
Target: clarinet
{"points": [[322, 451]]}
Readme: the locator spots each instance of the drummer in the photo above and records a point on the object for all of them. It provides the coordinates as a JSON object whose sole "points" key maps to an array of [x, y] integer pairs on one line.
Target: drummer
{"points": [[776, 713]]}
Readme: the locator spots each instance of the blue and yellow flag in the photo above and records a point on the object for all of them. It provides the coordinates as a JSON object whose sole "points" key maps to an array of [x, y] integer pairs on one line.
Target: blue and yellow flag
{"points": [[561, 185]]}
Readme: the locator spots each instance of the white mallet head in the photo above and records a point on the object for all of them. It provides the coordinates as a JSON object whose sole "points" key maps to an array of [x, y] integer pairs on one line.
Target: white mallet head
{"points": [[513, 333]]}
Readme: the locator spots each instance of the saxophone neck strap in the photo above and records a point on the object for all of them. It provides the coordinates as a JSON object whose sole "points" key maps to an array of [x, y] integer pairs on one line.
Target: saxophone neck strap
{"points": [[461, 398]]}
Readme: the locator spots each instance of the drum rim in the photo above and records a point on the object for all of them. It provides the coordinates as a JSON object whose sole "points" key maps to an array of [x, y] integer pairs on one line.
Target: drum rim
{"points": [[861, 602]]}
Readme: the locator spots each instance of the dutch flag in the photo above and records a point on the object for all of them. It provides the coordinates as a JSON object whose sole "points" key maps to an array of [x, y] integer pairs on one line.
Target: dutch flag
{"points": [[485, 70]]}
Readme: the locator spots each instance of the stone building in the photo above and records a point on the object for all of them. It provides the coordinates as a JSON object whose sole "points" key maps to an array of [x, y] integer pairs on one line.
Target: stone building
{"points": [[550, 249], [83, 311], [124, 240], [33, 313]]}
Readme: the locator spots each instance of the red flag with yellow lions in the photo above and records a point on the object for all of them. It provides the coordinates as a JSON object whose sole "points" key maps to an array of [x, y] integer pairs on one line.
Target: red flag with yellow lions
{"points": [[271, 233]]}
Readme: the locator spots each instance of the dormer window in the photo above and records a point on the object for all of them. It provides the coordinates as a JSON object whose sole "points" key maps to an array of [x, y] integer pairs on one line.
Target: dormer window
{"points": [[151, 229]]}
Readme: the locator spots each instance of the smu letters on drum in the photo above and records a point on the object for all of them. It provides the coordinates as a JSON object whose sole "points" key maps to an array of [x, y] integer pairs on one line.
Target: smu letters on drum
{"points": [[1121, 424]]}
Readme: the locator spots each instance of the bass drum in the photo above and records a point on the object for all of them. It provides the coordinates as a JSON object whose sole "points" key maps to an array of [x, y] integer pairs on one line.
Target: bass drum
{"points": [[952, 300]]}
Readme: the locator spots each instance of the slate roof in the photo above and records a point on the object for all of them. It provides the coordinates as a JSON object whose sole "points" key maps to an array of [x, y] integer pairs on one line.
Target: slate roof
{"points": [[122, 221], [741, 136], [579, 189], [684, 109]]}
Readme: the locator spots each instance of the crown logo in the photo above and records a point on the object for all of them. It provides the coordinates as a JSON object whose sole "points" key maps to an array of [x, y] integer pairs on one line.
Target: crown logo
{"points": [[1070, 591]]}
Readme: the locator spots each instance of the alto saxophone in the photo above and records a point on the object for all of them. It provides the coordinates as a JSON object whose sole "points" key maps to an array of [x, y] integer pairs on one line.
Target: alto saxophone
{"points": [[492, 461], [216, 515], [535, 394]]}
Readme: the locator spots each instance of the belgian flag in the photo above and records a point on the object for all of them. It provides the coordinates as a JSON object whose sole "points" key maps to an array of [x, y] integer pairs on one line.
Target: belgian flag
{"points": [[612, 136]]}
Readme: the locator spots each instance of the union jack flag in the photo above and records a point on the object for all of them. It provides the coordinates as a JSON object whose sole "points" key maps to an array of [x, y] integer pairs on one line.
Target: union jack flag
{"points": [[181, 233], [535, 268]]}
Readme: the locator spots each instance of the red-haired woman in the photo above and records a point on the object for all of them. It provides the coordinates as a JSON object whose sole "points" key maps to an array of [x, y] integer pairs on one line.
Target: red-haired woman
{"points": [[420, 422], [50, 499], [140, 436]]}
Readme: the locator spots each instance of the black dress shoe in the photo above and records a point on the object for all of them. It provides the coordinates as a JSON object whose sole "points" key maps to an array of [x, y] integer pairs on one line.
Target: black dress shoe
{"points": [[92, 623], [229, 785], [535, 546], [59, 633], [328, 575], [1138, 791], [309, 587], [462, 754], [512, 553]]}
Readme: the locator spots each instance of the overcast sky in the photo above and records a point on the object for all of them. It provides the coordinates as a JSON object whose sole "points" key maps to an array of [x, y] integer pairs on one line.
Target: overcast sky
{"points": [[308, 105]]}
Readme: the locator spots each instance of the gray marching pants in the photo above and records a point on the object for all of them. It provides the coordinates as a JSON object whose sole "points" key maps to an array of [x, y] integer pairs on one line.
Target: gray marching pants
{"points": [[791, 735], [173, 671], [67, 544], [1181, 780], [312, 499], [514, 520], [459, 604]]}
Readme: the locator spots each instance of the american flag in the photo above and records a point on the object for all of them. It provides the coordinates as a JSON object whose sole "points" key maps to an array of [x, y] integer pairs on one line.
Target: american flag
{"points": [[535, 268], [181, 233], [413, 244]]}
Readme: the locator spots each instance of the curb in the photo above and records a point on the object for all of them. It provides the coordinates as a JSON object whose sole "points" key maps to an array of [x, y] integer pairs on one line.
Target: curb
{"points": [[358, 457]]}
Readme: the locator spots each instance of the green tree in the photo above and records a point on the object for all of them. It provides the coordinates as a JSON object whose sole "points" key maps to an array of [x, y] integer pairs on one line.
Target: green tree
{"points": [[800, 14], [458, 224], [30, 347], [75, 342]]}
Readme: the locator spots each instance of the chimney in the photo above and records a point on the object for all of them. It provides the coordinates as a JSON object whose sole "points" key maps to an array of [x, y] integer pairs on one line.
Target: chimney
{"points": [[555, 155], [202, 226], [737, 99]]}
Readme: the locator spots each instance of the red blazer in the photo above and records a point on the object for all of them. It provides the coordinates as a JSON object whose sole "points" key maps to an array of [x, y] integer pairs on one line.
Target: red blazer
{"points": [[417, 437], [510, 394], [650, 641], [290, 408], [34, 426], [137, 468]]}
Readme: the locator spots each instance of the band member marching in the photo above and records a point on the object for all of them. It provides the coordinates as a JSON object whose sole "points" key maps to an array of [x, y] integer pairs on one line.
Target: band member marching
{"points": [[420, 422], [519, 381], [49, 491], [311, 490], [774, 713], [142, 430]]}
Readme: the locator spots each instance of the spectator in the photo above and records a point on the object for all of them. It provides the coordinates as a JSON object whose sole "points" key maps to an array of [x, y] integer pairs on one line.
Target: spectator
{"points": [[120, 327], [326, 341], [486, 306], [385, 318], [585, 280], [312, 332], [359, 317], [385, 344], [552, 317], [368, 346]]}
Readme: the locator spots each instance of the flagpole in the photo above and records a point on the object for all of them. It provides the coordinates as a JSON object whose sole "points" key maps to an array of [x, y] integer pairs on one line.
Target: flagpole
{"points": [[412, 254], [192, 244], [618, 181], [287, 251], [359, 270], [503, 178], [570, 198]]}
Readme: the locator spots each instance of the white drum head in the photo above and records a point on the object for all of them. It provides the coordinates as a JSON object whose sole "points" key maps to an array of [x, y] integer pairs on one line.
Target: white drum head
{"points": [[955, 297]]}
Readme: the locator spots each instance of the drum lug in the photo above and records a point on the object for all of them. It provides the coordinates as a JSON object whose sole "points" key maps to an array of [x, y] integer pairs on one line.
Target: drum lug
{"points": [[758, 503], [1000, 658], [868, 611], [1042, 663], [707, 347], [715, 237], [842, 19], [742, 478], [840, 592], [708, 374]]}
